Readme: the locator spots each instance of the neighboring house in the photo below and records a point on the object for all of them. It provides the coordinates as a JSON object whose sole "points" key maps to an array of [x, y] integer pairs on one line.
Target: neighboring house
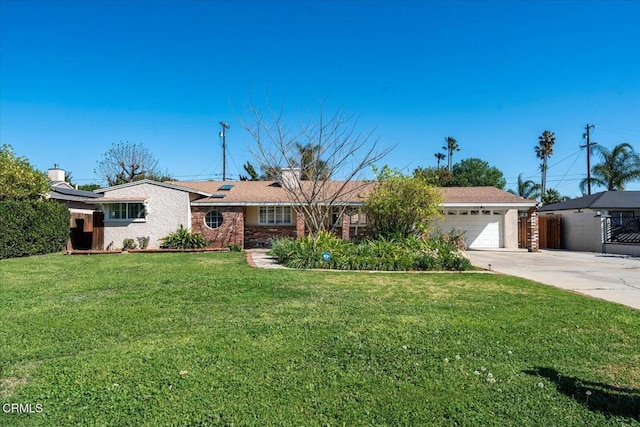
{"points": [[607, 222], [63, 192], [251, 213], [85, 223]]}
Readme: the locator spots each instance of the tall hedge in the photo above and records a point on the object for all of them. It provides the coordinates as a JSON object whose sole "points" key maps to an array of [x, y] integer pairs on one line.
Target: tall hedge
{"points": [[30, 227]]}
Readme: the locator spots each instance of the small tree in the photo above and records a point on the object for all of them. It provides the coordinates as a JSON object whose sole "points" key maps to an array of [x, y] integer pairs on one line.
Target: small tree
{"points": [[252, 175], [401, 205], [439, 177], [127, 162], [18, 179], [326, 147]]}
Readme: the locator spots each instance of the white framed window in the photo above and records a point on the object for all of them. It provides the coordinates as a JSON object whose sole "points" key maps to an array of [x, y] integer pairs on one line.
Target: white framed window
{"points": [[275, 215], [358, 218], [127, 211], [213, 219]]}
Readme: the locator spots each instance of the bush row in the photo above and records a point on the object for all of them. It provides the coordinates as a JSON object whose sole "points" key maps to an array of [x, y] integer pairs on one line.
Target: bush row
{"points": [[32, 227], [438, 252]]}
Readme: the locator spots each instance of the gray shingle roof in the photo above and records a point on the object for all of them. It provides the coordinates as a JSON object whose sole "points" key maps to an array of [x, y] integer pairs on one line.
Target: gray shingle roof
{"points": [[602, 200]]}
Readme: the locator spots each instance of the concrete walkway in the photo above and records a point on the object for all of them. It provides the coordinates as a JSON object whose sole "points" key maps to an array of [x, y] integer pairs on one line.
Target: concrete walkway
{"points": [[613, 278], [259, 258]]}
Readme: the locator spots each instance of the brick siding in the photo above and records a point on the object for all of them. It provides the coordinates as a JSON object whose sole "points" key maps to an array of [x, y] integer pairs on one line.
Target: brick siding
{"points": [[260, 236], [230, 232]]}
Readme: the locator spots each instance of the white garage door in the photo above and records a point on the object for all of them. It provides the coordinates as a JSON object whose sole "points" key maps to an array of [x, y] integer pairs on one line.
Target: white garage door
{"points": [[483, 227]]}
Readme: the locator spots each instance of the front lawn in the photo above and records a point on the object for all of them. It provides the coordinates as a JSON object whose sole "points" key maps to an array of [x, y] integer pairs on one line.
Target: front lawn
{"points": [[203, 339]]}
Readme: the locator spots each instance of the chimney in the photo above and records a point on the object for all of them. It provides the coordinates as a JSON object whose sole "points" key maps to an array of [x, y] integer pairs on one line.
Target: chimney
{"points": [[290, 178], [56, 174]]}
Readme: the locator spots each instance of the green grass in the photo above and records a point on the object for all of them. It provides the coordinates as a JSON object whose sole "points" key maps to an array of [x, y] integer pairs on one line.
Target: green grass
{"points": [[203, 339]]}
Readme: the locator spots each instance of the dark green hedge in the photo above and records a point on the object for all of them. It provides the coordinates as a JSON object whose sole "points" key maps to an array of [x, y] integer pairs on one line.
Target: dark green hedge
{"points": [[32, 227]]}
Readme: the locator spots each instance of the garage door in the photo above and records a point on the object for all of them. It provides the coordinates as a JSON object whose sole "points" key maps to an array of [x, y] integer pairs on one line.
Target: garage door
{"points": [[483, 227]]}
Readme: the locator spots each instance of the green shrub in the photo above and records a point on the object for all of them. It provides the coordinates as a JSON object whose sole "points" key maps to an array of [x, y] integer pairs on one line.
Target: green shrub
{"points": [[128, 244], [235, 248], [32, 227], [143, 242], [183, 239], [440, 252]]}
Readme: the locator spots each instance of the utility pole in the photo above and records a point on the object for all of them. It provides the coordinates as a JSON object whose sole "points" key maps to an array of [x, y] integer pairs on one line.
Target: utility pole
{"points": [[223, 134], [588, 127]]}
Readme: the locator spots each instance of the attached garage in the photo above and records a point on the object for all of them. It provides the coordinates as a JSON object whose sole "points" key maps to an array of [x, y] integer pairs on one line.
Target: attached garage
{"points": [[487, 215], [484, 227]]}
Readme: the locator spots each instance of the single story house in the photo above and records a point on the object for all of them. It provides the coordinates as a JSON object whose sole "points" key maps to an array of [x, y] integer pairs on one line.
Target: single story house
{"points": [[607, 222], [251, 213]]}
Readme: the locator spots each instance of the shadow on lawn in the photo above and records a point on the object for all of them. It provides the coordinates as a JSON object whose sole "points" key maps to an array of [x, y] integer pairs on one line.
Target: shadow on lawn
{"points": [[600, 397]]}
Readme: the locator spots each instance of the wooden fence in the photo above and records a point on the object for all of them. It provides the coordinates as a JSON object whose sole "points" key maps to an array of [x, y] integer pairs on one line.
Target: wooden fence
{"points": [[549, 232], [87, 231]]}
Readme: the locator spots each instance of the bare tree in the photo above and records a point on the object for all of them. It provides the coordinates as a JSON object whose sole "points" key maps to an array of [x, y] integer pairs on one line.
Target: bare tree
{"points": [[328, 146], [128, 162]]}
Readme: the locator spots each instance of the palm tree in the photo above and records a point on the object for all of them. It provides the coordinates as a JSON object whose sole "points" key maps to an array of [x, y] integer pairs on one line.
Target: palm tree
{"points": [[311, 166], [527, 189], [440, 157], [619, 166], [544, 150], [452, 145], [553, 196]]}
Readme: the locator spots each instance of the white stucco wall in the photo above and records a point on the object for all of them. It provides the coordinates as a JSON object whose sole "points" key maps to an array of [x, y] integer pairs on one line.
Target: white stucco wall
{"points": [[580, 230], [510, 229], [166, 210]]}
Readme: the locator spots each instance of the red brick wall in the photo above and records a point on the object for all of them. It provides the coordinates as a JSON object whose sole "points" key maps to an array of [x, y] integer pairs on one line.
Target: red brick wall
{"points": [[231, 232], [259, 236]]}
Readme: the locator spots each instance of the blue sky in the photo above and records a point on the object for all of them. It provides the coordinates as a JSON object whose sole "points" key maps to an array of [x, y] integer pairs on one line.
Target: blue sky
{"points": [[77, 76]]}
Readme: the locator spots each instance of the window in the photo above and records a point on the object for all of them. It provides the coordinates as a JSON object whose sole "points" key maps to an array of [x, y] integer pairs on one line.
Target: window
{"points": [[621, 214], [127, 211], [213, 219], [275, 215], [358, 218]]}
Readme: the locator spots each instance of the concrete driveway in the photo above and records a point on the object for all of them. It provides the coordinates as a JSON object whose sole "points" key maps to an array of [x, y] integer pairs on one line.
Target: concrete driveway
{"points": [[609, 277]]}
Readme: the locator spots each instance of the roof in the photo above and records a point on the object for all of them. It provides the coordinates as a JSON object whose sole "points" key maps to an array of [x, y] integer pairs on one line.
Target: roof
{"points": [[271, 192], [107, 200], [149, 181], [482, 195], [63, 191], [604, 200]]}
